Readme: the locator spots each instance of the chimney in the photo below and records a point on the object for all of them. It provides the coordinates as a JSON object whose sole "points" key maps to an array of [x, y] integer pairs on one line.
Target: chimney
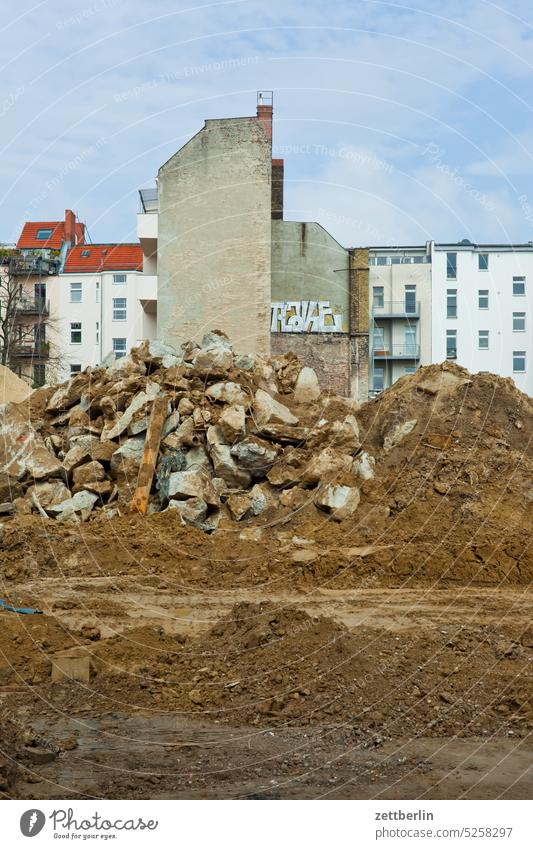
{"points": [[264, 111], [70, 227], [277, 188]]}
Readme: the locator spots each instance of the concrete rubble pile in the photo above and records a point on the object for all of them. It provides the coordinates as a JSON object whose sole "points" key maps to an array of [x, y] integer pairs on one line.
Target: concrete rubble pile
{"points": [[243, 436]]}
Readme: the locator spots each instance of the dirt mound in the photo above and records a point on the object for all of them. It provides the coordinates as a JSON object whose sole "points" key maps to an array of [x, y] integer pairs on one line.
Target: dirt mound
{"points": [[267, 665]]}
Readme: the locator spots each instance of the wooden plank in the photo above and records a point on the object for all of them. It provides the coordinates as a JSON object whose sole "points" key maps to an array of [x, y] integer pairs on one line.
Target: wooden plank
{"points": [[139, 502]]}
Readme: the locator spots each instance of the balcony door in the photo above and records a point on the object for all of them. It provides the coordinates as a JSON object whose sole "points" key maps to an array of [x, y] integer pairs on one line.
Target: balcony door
{"points": [[410, 299], [410, 341], [39, 292]]}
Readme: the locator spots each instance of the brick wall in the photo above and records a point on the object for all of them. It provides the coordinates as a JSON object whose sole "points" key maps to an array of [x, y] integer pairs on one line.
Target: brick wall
{"points": [[327, 353]]}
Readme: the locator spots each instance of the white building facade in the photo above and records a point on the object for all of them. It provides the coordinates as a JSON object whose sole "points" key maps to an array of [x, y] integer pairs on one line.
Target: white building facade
{"points": [[400, 313], [482, 308], [101, 314]]}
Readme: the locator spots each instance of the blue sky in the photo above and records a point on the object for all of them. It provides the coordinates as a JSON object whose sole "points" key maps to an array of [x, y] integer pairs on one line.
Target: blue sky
{"points": [[399, 122]]}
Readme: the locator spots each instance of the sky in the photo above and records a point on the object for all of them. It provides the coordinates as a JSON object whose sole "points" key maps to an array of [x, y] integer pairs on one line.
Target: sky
{"points": [[399, 122]]}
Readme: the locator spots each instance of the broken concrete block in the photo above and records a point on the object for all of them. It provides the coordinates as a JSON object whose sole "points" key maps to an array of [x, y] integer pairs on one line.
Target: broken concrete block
{"points": [[77, 455], [213, 362], [255, 455], [228, 393], [71, 665], [142, 400], [10, 488], [245, 362], [81, 503], [226, 467], [216, 339], [307, 388], [127, 459], [185, 407], [364, 466], [193, 511], [339, 501], [192, 484], [397, 434], [266, 409], [232, 423], [328, 464], [67, 394], [294, 498], [198, 459], [171, 423], [49, 493], [89, 472]]}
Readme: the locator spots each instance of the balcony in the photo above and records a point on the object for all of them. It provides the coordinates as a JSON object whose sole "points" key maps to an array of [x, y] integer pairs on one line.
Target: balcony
{"points": [[397, 352], [149, 201], [33, 307], [31, 350], [27, 266], [396, 309]]}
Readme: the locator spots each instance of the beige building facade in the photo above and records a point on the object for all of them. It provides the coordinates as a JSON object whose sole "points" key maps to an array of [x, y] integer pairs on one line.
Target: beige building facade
{"points": [[214, 234]]}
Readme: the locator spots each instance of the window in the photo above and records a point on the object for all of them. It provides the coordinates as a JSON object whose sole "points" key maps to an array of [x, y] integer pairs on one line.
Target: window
{"points": [[410, 341], [97, 332], [120, 278], [483, 339], [451, 344], [75, 333], [483, 262], [409, 369], [483, 299], [519, 322], [97, 291], [451, 266], [39, 374], [382, 260], [119, 348], [44, 234], [119, 309], [75, 368], [410, 299], [379, 339], [379, 378], [451, 303], [75, 293], [519, 285], [378, 297], [86, 253], [519, 360]]}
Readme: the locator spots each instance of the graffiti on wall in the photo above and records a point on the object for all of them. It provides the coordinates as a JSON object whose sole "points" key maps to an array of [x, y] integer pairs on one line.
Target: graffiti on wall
{"points": [[305, 317]]}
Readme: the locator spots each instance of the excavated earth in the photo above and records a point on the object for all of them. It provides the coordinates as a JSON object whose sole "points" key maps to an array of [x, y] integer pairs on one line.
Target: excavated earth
{"points": [[296, 653]]}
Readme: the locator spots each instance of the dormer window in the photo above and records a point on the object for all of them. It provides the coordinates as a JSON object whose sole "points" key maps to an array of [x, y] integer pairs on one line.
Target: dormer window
{"points": [[43, 234]]}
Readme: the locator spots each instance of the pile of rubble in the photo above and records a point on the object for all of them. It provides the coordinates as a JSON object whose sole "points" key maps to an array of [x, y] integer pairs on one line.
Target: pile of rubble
{"points": [[241, 436]]}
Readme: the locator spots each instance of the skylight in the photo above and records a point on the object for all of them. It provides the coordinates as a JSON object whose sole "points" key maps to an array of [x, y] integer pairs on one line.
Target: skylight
{"points": [[44, 234]]}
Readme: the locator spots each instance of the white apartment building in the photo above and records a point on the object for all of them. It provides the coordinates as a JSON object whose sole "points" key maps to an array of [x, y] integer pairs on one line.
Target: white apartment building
{"points": [[482, 308], [103, 303], [400, 313]]}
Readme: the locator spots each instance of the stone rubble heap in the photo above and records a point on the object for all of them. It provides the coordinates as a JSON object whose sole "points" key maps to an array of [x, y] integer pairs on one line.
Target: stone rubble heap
{"points": [[243, 436]]}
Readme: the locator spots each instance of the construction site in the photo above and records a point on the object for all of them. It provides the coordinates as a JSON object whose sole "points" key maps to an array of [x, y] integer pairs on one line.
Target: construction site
{"points": [[222, 579]]}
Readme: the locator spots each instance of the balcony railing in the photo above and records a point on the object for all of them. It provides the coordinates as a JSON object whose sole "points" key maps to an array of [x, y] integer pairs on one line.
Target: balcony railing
{"points": [[35, 306], [396, 309], [149, 199], [31, 350], [26, 266], [397, 352]]}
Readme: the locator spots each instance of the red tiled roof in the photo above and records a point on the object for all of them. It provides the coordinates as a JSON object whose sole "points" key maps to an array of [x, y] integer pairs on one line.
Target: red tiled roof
{"points": [[28, 238], [114, 257]]}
